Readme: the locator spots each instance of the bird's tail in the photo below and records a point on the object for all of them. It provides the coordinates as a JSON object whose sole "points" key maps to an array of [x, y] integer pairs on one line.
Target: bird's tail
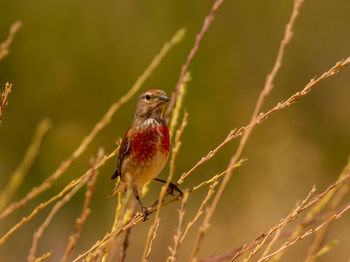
{"points": [[120, 187]]}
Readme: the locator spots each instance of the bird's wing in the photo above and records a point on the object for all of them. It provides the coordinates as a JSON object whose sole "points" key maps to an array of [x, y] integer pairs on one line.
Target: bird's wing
{"points": [[124, 150]]}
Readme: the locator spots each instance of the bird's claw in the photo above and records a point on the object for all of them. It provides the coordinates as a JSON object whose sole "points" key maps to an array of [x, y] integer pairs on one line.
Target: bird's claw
{"points": [[145, 213], [171, 188]]}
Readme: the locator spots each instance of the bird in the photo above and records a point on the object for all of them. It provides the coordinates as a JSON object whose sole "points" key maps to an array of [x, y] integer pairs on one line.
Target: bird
{"points": [[144, 150]]}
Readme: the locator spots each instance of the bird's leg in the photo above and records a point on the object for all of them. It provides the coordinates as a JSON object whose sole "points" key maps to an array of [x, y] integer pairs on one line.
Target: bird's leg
{"points": [[170, 188], [145, 211]]}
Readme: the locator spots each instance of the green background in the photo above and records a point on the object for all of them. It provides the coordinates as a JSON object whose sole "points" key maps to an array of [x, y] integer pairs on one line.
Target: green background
{"points": [[72, 59]]}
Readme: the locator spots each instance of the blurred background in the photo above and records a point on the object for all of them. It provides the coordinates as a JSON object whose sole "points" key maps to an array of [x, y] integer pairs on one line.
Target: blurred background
{"points": [[72, 59]]}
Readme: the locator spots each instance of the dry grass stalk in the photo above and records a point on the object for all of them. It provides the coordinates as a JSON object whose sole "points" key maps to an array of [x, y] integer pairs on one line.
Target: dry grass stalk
{"points": [[288, 102], [100, 244], [177, 145], [266, 90], [27, 161], [38, 234], [67, 188], [216, 177], [207, 22], [113, 246], [122, 254], [263, 116], [208, 156], [315, 210], [151, 236], [135, 220], [104, 251], [178, 105], [163, 191], [122, 213], [95, 246], [122, 202], [233, 134], [288, 34], [43, 257], [85, 212], [201, 232], [177, 237], [200, 211], [40, 231], [125, 208], [325, 249], [4, 99], [5, 46], [233, 255], [314, 200], [204, 226], [280, 227], [315, 249], [99, 125], [306, 234]]}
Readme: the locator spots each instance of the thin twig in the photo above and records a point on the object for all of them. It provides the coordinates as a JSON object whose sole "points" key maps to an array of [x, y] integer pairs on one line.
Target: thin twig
{"points": [[125, 245], [41, 206], [5, 46], [98, 127], [307, 205], [325, 249], [282, 225], [216, 177], [177, 145], [101, 244], [152, 235], [207, 22], [200, 211], [163, 191], [177, 237], [315, 210], [248, 246], [319, 237], [306, 234], [27, 161], [284, 234], [43, 257], [263, 116], [266, 90], [121, 202], [86, 209], [40, 231], [4, 99], [178, 104], [38, 234], [288, 34], [202, 227], [124, 210]]}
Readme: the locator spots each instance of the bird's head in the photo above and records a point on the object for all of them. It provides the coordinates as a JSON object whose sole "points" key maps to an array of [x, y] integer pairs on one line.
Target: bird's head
{"points": [[151, 104]]}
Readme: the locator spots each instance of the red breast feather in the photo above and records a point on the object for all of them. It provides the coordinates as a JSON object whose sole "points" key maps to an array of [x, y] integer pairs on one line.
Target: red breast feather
{"points": [[165, 140], [146, 142]]}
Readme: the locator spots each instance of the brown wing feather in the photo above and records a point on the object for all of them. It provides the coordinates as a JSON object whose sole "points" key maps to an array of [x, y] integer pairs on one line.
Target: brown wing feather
{"points": [[124, 150]]}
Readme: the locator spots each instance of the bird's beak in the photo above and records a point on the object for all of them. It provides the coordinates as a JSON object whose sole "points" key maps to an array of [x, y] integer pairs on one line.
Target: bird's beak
{"points": [[163, 99]]}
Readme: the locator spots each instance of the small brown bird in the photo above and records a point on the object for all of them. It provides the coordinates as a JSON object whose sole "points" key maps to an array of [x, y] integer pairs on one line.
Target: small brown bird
{"points": [[145, 147]]}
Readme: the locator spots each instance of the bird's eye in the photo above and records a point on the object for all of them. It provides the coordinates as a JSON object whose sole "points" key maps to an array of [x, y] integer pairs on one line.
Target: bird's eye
{"points": [[148, 97]]}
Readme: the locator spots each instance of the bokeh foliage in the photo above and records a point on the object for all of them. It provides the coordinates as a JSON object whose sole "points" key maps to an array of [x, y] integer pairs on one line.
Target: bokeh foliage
{"points": [[72, 59]]}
